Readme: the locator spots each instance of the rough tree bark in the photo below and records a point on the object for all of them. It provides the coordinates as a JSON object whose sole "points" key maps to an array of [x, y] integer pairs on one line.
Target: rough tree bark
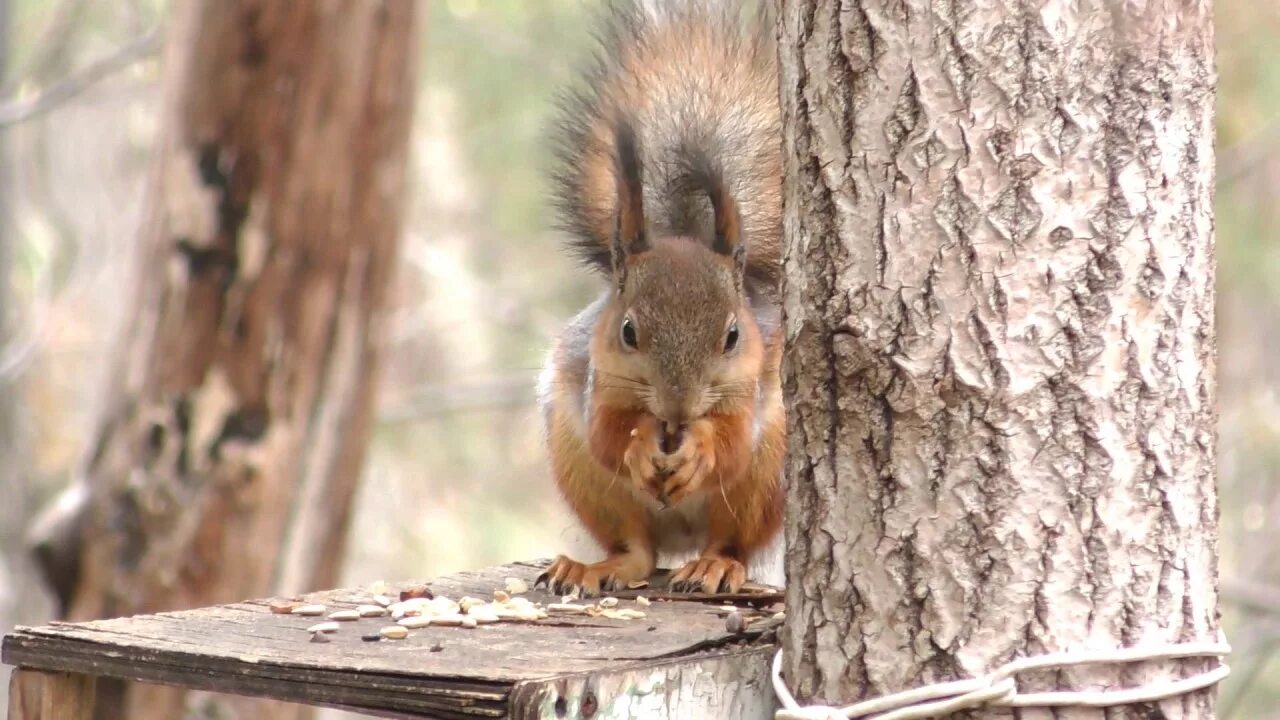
{"points": [[227, 456], [999, 309]]}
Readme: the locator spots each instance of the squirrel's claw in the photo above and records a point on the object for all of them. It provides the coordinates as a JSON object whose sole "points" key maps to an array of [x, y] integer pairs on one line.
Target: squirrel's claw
{"points": [[566, 576], [710, 574]]}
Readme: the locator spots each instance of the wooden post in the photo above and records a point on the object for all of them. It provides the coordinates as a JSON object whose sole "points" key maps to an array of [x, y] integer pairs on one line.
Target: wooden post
{"points": [[40, 695]]}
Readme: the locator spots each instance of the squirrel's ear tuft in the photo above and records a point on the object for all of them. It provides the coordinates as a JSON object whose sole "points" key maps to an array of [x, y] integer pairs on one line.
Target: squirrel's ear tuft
{"points": [[629, 236], [706, 176]]}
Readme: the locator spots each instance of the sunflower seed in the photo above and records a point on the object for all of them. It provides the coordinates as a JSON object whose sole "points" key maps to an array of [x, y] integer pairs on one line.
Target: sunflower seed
{"points": [[608, 602], [308, 610], [568, 608], [642, 601], [501, 596], [516, 586], [414, 622], [324, 627], [382, 600], [371, 610], [448, 620], [394, 632], [344, 615]]}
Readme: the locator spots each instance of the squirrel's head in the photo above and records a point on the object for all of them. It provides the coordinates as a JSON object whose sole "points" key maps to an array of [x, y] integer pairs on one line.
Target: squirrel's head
{"points": [[678, 335]]}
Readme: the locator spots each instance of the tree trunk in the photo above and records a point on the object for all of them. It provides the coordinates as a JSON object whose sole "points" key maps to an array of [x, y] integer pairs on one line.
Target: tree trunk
{"points": [[999, 310], [227, 457]]}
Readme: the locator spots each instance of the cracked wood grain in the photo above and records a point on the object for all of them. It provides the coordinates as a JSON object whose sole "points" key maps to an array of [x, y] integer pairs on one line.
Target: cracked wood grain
{"points": [[999, 311]]}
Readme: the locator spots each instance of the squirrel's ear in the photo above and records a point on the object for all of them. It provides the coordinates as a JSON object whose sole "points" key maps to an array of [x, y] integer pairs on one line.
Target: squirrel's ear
{"points": [[629, 236], [728, 240]]}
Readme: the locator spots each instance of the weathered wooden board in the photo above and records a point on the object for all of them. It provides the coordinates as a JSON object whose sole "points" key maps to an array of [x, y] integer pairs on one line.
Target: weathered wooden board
{"points": [[437, 672]]}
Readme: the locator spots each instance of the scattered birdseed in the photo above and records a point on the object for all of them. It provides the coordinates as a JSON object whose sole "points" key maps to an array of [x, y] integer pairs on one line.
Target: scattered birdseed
{"points": [[382, 600], [344, 615], [371, 610], [324, 627], [516, 586], [417, 621], [501, 596], [308, 610], [642, 601], [608, 602]]}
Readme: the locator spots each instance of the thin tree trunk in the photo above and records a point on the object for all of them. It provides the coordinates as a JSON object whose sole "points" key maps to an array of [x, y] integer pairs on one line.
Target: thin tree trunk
{"points": [[999, 308], [226, 460]]}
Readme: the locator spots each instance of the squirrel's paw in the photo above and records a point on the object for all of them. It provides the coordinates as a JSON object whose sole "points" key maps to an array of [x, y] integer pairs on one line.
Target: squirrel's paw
{"points": [[644, 456], [691, 463], [566, 576], [710, 574]]}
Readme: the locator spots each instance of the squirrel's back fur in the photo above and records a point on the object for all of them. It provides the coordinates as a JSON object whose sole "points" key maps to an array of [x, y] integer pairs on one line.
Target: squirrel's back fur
{"points": [[697, 82]]}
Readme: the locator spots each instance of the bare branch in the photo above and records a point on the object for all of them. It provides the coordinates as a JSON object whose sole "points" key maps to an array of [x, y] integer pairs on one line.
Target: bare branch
{"points": [[16, 111]]}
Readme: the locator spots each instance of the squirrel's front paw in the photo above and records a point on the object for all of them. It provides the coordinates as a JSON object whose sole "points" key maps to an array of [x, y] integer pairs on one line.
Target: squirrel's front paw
{"points": [[690, 464], [644, 455]]}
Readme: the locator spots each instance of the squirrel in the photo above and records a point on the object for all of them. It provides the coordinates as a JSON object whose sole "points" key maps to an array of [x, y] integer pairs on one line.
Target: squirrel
{"points": [[662, 400]]}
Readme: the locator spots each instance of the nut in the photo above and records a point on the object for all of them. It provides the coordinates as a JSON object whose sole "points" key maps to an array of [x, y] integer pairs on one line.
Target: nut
{"points": [[324, 627], [283, 607], [382, 600], [501, 596], [371, 610], [416, 591], [394, 632], [642, 601], [308, 610], [608, 602], [516, 586], [414, 622], [344, 615]]}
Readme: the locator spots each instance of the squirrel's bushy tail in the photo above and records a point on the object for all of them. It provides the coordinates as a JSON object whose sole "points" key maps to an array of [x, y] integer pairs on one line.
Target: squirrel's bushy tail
{"points": [[696, 80]]}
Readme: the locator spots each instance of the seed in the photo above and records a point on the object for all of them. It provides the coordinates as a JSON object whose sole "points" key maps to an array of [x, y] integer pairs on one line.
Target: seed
{"points": [[324, 627], [629, 614], [516, 586], [501, 596], [308, 610], [414, 622], [735, 623], [484, 616], [371, 610], [568, 608], [780, 615], [416, 591], [448, 620], [345, 615], [319, 638], [371, 638], [469, 622], [608, 602], [642, 601], [466, 603], [283, 608], [382, 600], [394, 632]]}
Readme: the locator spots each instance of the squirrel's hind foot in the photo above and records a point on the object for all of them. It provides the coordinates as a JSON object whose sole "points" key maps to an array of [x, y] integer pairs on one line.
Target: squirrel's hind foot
{"points": [[710, 574], [566, 576]]}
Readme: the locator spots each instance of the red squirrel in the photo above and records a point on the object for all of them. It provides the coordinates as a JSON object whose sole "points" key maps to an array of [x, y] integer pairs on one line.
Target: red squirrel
{"points": [[662, 401]]}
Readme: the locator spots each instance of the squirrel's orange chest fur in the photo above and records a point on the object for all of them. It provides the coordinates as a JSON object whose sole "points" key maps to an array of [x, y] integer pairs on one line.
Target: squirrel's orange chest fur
{"points": [[662, 400]]}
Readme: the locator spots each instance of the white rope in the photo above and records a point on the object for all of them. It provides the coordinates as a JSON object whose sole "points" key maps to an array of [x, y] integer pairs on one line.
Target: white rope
{"points": [[999, 688]]}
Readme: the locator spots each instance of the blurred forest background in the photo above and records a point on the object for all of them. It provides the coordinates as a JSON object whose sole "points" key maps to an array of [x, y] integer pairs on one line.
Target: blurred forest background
{"points": [[456, 477]]}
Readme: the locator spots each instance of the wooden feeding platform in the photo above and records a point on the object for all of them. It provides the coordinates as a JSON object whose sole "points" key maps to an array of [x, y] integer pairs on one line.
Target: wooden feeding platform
{"points": [[681, 659]]}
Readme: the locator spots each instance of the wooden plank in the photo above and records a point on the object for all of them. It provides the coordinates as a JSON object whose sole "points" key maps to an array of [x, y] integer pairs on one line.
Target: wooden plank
{"points": [[438, 671], [39, 695], [731, 684]]}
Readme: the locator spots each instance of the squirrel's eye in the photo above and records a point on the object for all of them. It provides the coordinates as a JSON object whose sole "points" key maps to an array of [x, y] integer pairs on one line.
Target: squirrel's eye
{"points": [[731, 337], [629, 334]]}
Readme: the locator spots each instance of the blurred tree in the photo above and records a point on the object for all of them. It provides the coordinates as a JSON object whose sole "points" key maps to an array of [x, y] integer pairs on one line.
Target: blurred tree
{"points": [[242, 390], [1000, 312]]}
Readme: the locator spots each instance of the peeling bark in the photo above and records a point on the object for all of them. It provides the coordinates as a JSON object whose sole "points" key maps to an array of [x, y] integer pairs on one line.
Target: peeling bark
{"points": [[227, 456], [999, 312]]}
